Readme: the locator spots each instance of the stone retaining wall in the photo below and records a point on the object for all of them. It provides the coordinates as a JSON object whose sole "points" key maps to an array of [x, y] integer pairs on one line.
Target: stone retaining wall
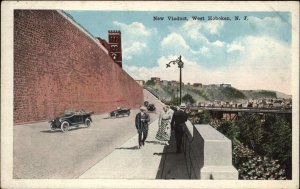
{"points": [[58, 65], [208, 153]]}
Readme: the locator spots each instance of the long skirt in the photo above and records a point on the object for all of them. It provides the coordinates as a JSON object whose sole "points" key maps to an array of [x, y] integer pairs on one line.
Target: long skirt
{"points": [[163, 131]]}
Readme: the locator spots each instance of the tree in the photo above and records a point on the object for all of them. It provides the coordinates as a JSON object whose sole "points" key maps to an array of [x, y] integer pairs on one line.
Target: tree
{"points": [[202, 117], [175, 101], [229, 129], [278, 141], [262, 145], [188, 99], [251, 130], [149, 82]]}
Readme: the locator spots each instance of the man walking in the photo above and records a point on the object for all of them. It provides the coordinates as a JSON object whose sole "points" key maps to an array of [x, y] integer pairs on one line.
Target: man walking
{"points": [[142, 120], [178, 123]]}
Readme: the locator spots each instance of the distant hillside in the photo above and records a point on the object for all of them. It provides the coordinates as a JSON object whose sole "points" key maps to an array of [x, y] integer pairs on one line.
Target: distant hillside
{"points": [[212, 93], [282, 95], [224, 93], [254, 94]]}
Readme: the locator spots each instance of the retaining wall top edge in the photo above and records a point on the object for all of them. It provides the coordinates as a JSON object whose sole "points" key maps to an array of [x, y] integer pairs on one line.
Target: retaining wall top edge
{"points": [[190, 126], [61, 12], [208, 133]]}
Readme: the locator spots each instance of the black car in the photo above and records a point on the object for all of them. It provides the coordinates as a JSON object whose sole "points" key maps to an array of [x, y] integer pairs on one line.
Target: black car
{"points": [[120, 112], [146, 103], [71, 118], [151, 107]]}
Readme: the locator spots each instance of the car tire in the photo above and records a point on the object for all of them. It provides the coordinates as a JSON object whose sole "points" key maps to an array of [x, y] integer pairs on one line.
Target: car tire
{"points": [[88, 122], [65, 126], [128, 114], [52, 128], [116, 115]]}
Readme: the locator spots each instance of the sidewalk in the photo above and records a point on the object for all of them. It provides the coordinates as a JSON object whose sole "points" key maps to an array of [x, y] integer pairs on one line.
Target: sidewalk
{"points": [[153, 161]]}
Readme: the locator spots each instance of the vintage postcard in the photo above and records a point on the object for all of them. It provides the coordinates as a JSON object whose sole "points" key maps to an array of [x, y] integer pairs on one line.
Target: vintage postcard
{"points": [[150, 94]]}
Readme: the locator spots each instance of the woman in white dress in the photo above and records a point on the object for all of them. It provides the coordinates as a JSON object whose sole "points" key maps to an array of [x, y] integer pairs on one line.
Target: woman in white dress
{"points": [[164, 123]]}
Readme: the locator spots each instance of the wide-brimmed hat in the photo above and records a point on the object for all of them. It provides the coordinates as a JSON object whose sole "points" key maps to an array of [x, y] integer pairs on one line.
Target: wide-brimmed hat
{"points": [[182, 106], [143, 108]]}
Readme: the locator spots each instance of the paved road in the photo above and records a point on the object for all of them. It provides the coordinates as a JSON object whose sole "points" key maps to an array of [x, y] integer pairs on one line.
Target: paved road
{"points": [[40, 153]]}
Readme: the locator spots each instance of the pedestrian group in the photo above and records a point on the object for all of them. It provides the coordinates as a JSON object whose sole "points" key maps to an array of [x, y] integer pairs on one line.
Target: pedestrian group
{"points": [[169, 120]]}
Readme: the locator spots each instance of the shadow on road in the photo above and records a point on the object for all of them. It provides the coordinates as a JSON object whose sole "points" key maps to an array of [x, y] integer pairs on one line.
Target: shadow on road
{"points": [[114, 117], [58, 130], [155, 142], [164, 153], [172, 165], [49, 131], [129, 148]]}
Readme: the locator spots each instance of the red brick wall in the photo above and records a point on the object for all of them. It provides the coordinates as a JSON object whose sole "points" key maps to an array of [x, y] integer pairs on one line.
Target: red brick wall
{"points": [[56, 66]]}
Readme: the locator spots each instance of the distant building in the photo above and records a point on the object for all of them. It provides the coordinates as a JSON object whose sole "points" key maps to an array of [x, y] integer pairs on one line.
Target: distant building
{"points": [[113, 46], [165, 82], [225, 85], [156, 80], [174, 83], [210, 86], [197, 85], [140, 82], [114, 40]]}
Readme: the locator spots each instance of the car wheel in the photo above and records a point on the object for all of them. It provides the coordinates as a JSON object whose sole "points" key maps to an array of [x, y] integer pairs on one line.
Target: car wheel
{"points": [[88, 122], [52, 127], [116, 115], [65, 126], [128, 114]]}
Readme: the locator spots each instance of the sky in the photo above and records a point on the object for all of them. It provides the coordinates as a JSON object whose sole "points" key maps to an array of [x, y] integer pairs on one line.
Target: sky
{"points": [[249, 54]]}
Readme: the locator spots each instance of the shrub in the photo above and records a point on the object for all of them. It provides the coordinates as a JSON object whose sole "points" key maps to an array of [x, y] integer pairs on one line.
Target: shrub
{"points": [[252, 166], [262, 145], [201, 117], [255, 163]]}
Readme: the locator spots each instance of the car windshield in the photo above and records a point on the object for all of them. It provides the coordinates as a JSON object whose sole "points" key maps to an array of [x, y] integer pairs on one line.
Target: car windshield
{"points": [[69, 112]]}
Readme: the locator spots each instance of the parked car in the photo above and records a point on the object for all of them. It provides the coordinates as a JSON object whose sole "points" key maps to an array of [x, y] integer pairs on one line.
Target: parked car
{"points": [[71, 118], [151, 107], [146, 103], [120, 112]]}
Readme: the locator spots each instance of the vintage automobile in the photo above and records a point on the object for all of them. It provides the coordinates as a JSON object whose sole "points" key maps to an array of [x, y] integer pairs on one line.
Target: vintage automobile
{"points": [[71, 118], [146, 103], [120, 112]]}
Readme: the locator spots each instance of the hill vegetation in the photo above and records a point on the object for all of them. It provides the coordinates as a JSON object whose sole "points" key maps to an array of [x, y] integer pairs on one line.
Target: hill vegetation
{"points": [[262, 146], [169, 93], [259, 94]]}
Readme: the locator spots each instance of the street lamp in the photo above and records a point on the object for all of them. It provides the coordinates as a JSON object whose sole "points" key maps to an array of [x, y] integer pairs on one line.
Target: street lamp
{"points": [[180, 66]]}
